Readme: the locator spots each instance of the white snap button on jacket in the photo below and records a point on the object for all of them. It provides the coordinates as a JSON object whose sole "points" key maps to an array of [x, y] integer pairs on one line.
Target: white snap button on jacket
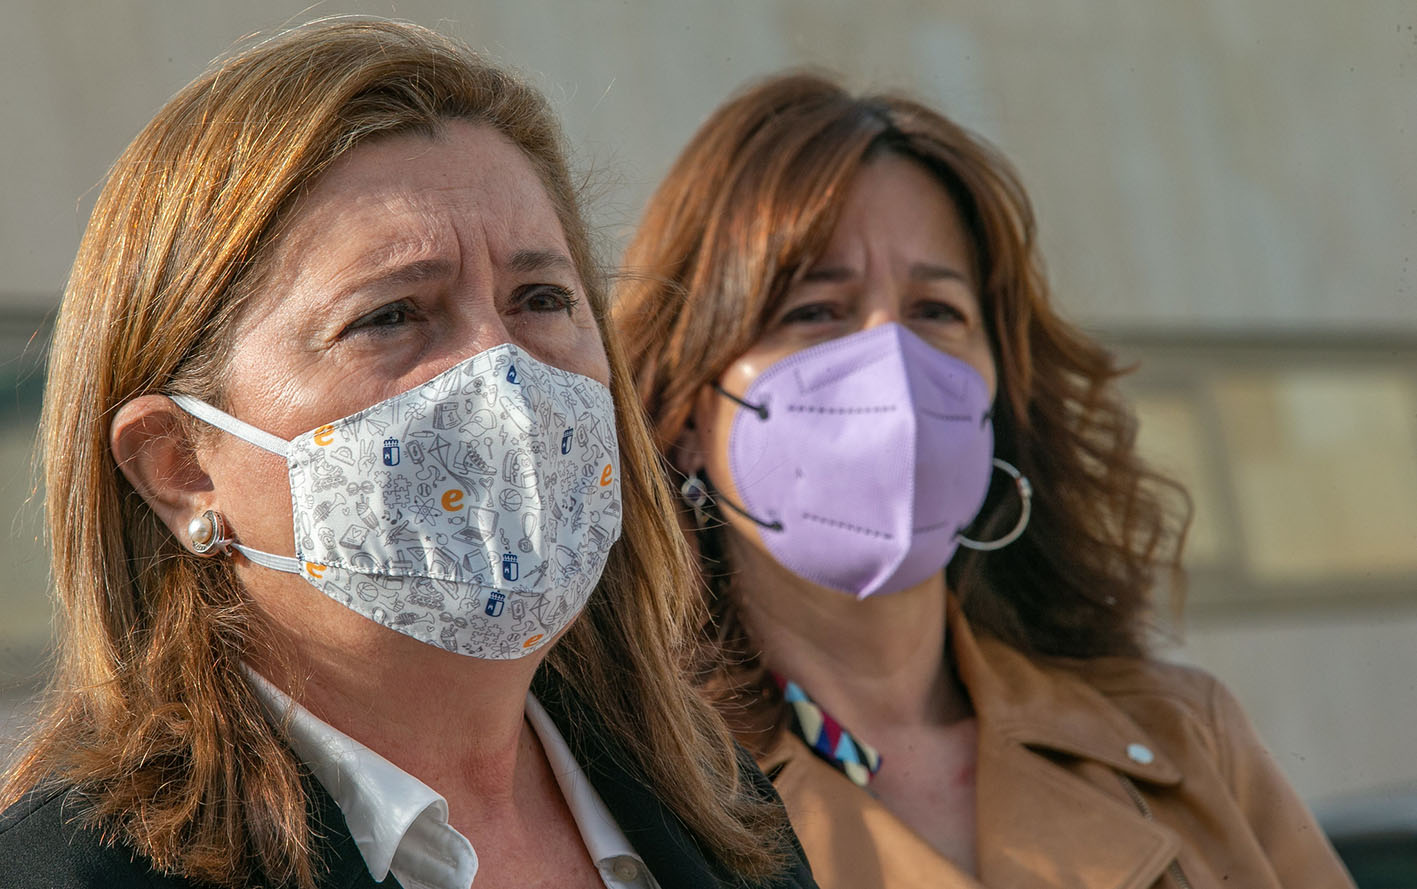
{"points": [[1140, 753]]}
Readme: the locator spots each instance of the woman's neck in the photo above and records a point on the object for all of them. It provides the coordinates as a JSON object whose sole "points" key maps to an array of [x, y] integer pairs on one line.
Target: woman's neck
{"points": [[874, 664], [454, 722]]}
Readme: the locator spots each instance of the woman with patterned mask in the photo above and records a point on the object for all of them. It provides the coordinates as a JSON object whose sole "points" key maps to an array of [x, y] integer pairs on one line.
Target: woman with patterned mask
{"points": [[365, 571]]}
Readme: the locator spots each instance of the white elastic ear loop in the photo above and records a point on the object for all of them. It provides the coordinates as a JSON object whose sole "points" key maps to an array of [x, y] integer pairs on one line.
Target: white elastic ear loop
{"points": [[261, 439], [288, 564], [227, 423]]}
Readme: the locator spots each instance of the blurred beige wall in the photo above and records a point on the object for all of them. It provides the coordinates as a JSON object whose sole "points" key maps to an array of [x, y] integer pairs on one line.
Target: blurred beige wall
{"points": [[1209, 168], [1208, 164]]}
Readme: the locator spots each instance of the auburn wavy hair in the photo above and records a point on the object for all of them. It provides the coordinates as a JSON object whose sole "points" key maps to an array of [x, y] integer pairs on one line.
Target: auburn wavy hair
{"points": [[150, 717], [749, 204]]}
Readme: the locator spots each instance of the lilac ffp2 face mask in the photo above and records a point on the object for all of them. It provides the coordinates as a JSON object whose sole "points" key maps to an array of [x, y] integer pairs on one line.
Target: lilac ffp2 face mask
{"points": [[864, 458]]}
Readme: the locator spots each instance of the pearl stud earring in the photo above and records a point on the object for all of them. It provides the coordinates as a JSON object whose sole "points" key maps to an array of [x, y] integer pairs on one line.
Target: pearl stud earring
{"points": [[208, 533]]}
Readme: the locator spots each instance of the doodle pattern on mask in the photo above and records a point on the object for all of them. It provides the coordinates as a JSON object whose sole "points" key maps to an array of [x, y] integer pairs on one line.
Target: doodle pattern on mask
{"points": [[474, 512]]}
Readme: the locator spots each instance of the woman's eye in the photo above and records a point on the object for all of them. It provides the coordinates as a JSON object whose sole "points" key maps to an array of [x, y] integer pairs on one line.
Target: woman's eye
{"points": [[547, 298], [391, 315], [811, 313], [938, 311]]}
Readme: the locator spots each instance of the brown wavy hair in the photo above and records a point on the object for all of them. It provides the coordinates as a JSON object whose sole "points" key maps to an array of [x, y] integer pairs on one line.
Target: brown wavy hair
{"points": [[749, 204], [150, 717]]}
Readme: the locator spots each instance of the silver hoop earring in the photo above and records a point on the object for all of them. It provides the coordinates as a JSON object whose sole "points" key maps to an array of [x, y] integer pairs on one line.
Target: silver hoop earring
{"points": [[208, 533], [695, 492], [1025, 496]]}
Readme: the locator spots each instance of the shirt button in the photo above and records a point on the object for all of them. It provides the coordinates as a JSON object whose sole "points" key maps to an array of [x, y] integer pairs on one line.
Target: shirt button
{"points": [[1140, 754], [625, 869]]}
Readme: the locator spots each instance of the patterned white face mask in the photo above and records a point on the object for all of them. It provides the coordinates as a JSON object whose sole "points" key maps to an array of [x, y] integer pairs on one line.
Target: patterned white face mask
{"points": [[474, 512]]}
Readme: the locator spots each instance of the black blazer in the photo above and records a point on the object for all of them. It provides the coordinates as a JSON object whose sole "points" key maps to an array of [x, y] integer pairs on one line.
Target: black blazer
{"points": [[44, 846]]}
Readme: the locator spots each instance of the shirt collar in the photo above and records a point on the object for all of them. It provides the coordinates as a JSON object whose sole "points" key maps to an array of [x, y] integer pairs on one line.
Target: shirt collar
{"points": [[607, 844], [401, 824], [383, 806]]}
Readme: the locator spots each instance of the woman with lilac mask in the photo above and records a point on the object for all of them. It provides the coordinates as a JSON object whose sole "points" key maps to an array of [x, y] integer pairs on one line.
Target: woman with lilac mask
{"points": [[928, 544]]}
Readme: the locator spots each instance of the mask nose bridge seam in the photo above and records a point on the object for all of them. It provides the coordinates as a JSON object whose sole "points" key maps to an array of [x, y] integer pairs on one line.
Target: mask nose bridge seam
{"points": [[846, 367]]}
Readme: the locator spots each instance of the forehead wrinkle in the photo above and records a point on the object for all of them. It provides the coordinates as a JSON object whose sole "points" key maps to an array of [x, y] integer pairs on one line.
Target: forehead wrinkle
{"points": [[401, 262], [389, 233], [406, 244]]}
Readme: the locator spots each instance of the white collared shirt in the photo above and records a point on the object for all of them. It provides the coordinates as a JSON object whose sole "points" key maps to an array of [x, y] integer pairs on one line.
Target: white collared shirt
{"points": [[401, 824]]}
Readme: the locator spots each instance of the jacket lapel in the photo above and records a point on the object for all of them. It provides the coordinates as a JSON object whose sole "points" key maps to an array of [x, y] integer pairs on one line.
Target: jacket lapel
{"points": [[1050, 750], [1041, 826], [664, 842], [654, 832]]}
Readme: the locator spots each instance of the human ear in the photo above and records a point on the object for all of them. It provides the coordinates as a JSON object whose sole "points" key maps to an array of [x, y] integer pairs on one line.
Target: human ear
{"points": [[690, 451], [149, 441]]}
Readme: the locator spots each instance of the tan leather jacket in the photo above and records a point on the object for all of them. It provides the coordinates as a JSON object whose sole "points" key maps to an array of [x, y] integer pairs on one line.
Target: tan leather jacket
{"points": [[1114, 773]]}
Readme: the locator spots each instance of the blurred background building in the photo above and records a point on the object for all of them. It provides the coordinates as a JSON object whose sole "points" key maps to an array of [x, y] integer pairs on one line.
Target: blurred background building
{"points": [[1227, 194]]}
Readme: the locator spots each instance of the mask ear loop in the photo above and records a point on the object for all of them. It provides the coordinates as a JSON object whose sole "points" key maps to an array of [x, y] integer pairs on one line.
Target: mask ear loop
{"points": [[698, 494], [227, 423], [1025, 494], [699, 487], [760, 409], [221, 541], [211, 537]]}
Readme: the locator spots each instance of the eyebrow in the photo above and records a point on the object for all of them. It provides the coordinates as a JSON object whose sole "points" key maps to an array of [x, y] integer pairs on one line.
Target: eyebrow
{"points": [[525, 261], [829, 273], [919, 271], [928, 271], [421, 270], [415, 272], [398, 275]]}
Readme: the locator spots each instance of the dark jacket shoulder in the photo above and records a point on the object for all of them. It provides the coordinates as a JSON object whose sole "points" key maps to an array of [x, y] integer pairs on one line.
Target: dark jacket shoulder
{"points": [[46, 843]]}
